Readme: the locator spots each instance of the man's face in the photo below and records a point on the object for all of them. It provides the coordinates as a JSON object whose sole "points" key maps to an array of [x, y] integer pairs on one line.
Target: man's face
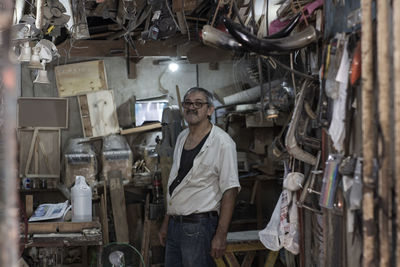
{"points": [[196, 109]]}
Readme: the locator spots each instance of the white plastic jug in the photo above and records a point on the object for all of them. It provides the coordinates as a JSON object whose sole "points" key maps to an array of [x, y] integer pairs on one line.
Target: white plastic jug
{"points": [[81, 199]]}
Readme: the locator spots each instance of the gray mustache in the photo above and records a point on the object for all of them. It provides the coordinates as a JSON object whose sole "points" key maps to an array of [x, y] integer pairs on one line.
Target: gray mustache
{"points": [[191, 111]]}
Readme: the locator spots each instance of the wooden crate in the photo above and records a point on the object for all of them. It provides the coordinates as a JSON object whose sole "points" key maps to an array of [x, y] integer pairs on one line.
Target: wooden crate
{"points": [[40, 149], [98, 114], [79, 78]]}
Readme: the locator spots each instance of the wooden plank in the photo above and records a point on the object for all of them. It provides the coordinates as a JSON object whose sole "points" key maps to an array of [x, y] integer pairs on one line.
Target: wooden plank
{"points": [[29, 205], [61, 227], [231, 259], [219, 262], [140, 129], [118, 206], [104, 220], [248, 259], [103, 113], [146, 234], [79, 78], [271, 259], [85, 119], [108, 48], [245, 246], [30, 153], [188, 5], [43, 112]]}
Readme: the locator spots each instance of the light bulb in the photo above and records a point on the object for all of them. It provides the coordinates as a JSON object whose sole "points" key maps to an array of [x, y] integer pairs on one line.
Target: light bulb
{"points": [[173, 66]]}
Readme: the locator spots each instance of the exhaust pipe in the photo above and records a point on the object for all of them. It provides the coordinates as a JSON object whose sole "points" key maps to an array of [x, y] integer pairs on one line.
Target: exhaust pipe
{"points": [[290, 141], [219, 39], [264, 46]]}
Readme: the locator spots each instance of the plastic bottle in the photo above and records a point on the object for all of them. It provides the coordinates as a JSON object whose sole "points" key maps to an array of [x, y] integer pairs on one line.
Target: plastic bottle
{"points": [[81, 199]]}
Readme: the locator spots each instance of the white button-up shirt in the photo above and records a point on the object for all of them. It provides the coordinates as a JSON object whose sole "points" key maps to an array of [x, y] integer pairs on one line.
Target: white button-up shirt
{"points": [[214, 171]]}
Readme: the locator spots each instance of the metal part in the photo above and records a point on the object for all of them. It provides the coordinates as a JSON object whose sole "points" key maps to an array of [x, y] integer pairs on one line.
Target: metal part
{"points": [[310, 182], [216, 38], [286, 30], [266, 46], [290, 141]]}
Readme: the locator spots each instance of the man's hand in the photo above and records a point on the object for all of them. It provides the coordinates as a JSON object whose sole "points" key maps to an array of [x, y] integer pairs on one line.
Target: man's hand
{"points": [[218, 245], [162, 234]]}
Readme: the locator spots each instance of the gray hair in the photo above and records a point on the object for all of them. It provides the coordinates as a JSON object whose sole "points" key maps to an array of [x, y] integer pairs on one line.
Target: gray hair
{"points": [[209, 96]]}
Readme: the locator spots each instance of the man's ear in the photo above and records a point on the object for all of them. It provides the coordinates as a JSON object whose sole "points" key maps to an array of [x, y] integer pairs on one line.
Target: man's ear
{"points": [[210, 110]]}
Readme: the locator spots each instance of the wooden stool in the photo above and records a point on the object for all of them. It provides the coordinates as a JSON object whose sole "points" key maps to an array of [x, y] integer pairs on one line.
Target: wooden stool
{"points": [[246, 241]]}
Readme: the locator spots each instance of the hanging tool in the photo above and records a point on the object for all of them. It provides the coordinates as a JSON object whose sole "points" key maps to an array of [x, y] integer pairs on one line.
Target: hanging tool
{"points": [[308, 187]]}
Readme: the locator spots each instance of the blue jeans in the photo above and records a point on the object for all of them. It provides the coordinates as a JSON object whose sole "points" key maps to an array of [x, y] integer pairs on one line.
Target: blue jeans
{"points": [[189, 244]]}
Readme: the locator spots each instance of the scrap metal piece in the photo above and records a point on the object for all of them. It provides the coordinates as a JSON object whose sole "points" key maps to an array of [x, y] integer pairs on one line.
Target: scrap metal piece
{"points": [[216, 38], [284, 32], [290, 141], [265, 46]]}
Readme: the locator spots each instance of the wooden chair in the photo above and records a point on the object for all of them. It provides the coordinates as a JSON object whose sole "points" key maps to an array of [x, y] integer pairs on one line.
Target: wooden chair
{"points": [[248, 242]]}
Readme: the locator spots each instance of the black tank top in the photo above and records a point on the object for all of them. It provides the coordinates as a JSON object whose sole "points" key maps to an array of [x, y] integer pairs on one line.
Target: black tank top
{"points": [[186, 164]]}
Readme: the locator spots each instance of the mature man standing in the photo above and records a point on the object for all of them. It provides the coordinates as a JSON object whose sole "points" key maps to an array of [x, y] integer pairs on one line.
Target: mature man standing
{"points": [[202, 188]]}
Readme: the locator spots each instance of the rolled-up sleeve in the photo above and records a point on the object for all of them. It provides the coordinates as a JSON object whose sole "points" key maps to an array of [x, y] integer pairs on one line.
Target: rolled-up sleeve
{"points": [[228, 177]]}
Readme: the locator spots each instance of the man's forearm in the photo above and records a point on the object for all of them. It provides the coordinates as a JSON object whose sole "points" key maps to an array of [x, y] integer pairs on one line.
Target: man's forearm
{"points": [[227, 206]]}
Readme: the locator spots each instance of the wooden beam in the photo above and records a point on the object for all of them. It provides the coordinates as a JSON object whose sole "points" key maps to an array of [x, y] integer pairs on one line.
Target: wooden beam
{"points": [[140, 129], [146, 233], [60, 227], [29, 205], [116, 48], [118, 206]]}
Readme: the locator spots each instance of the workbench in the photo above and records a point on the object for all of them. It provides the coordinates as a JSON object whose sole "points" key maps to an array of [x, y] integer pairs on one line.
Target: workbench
{"points": [[58, 235]]}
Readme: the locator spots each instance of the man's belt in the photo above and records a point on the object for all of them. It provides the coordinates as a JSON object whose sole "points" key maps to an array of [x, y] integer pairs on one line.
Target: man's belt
{"points": [[194, 217]]}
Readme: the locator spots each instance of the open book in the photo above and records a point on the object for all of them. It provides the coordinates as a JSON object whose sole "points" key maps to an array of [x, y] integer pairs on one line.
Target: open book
{"points": [[54, 212]]}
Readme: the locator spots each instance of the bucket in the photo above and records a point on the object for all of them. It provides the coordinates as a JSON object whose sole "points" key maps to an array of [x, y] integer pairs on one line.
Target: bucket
{"points": [[81, 199]]}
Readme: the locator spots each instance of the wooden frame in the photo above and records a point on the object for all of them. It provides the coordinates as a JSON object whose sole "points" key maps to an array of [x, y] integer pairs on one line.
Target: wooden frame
{"points": [[42, 147]]}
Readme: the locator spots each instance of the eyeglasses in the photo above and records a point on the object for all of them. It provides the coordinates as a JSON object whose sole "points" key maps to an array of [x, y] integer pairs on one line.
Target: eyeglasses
{"points": [[196, 105]]}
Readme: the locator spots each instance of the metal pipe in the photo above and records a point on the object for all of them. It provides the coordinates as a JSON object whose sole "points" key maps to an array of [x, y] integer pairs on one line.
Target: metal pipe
{"points": [[266, 46], [385, 176], [39, 14], [290, 141], [216, 38], [368, 137]]}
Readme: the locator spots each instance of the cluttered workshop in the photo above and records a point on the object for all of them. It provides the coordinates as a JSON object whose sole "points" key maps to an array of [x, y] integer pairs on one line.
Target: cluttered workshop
{"points": [[300, 103]]}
